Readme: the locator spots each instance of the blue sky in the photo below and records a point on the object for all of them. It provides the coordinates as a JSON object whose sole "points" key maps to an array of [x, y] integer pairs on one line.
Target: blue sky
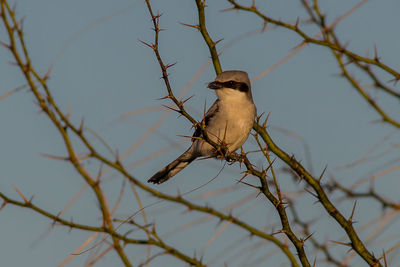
{"points": [[100, 71]]}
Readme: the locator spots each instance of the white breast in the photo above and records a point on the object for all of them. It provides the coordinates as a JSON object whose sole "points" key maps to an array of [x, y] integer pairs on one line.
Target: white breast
{"points": [[233, 121]]}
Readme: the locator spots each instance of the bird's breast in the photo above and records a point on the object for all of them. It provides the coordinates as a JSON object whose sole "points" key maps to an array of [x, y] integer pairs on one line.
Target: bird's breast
{"points": [[232, 123]]}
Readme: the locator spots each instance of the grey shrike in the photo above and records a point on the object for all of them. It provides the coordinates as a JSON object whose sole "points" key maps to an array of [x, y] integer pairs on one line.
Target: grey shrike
{"points": [[228, 122]]}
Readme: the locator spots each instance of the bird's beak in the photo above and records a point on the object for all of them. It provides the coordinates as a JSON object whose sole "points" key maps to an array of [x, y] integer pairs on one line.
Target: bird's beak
{"points": [[214, 85]]}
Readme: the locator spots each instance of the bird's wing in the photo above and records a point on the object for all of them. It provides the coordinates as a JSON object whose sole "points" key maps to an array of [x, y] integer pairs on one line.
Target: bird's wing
{"points": [[209, 114]]}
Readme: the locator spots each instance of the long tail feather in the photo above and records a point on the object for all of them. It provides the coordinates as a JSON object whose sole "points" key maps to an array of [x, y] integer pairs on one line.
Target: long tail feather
{"points": [[173, 168]]}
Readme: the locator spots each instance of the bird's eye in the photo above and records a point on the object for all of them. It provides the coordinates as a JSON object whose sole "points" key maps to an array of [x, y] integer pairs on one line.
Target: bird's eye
{"points": [[230, 84]]}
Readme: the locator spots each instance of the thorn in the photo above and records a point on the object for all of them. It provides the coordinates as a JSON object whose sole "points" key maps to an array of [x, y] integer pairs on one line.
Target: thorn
{"points": [[315, 261], [395, 80], [173, 109], [153, 228], [341, 243], [5, 45], [68, 115], [170, 65], [165, 74], [216, 42], [191, 137], [241, 157], [258, 117], [346, 45], [297, 23], [246, 173], [256, 187], [311, 193], [376, 53], [351, 60], [305, 239], [179, 195], [270, 165], [264, 27], [20, 194], [279, 232], [99, 174], [322, 174], [338, 74], [228, 9], [149, 45], [157, 16], [55, 219], [352, 213], [70, 228], [191, 26], [184, 101], [164, 97], [81, 126], [4, 204], [20, 23], [54, 157], [117, 160], [266, 120], [204, 114]]}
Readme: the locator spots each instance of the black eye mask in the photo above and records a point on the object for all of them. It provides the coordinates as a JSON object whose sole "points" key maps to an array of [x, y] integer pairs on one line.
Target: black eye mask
{"points": [[242, 87]]}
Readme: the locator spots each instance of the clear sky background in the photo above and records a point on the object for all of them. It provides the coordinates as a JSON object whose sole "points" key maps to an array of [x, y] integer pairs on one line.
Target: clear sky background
{"points": [[101, 71]]}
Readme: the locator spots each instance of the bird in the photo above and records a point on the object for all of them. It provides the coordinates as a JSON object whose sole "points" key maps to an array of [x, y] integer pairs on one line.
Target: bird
{"points": [[228, 122]]}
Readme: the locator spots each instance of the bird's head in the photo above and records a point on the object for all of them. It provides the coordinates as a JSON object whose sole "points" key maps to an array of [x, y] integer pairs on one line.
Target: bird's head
{"points": [[232, 84]]}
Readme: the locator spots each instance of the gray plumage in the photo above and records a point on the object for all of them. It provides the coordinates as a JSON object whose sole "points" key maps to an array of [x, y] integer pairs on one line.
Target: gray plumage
{"points": [[228, 121]]}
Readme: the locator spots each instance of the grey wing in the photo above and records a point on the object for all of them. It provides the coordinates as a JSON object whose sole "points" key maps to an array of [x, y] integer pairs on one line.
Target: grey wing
{"points": [[209, 114]]}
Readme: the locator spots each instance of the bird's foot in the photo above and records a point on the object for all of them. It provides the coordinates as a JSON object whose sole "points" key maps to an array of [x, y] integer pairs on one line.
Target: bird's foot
{"points": [[230, 157], [235, 157]]}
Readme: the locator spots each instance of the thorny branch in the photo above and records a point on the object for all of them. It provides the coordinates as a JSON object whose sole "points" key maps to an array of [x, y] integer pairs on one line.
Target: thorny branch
{"points": [[154, 240], [309, 39], [61, 121], [321, 195], [338, 50], [154, 46], [48, 106]]}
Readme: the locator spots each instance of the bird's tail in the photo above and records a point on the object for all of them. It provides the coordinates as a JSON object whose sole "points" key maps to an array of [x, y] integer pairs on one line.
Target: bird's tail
{"points": [[173, 168]]}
